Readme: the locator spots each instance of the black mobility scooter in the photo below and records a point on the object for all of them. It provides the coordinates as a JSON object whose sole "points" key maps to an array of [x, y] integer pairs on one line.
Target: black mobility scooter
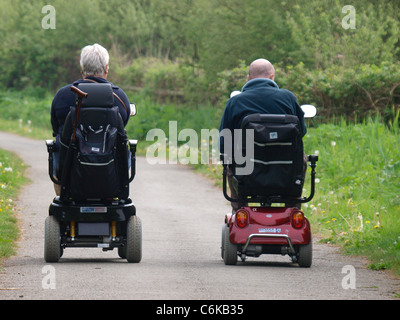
{"points": [[95, 168]]}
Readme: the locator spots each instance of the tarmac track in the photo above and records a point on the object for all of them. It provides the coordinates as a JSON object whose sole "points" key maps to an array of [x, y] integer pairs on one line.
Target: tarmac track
{"points": [[182, 215]]}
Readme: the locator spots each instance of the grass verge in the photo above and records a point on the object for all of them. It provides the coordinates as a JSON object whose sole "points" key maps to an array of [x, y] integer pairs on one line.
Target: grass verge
{"points": [[12, 171]]}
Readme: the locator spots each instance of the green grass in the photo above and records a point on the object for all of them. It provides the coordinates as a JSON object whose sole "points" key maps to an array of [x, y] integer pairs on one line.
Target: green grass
{"points": [[11, 179], [357, 203], [26, 114]]}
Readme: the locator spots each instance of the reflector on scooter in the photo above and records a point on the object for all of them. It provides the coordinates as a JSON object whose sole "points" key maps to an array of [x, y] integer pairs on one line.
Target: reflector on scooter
{"points": [[241, 218], [297, 219]]}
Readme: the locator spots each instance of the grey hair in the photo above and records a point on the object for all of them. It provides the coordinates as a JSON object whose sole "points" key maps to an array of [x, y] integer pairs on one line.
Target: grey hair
{"points": [[94, 60]]}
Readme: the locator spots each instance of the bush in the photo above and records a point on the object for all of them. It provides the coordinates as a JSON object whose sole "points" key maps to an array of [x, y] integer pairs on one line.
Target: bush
{"points": [[353, 93]]}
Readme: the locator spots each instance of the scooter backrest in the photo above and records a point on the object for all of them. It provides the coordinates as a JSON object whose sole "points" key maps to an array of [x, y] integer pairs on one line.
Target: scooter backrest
{"points": [[99, 95], [278, 156]]}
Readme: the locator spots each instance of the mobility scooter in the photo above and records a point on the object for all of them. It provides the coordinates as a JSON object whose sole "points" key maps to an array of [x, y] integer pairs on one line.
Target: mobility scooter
{"points": [[94, 209], [261, 226]]}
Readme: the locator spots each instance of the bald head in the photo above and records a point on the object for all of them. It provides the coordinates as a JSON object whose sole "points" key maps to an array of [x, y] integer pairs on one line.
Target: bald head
{"points": [[261, 68]]}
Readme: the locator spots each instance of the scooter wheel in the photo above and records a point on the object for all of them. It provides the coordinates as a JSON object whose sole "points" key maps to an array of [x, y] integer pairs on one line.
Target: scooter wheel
{"points": [[223, 241], [134, 240], [230, 249], [305, 255], [52, 240]]}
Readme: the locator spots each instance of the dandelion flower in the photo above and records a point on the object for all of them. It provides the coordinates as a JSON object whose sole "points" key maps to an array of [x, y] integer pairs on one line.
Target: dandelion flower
{"points": [[333, 143]]}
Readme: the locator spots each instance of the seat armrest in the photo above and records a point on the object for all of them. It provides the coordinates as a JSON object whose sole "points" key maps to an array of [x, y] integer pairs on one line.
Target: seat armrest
{"points": [[313, 158], [133, 142], [133, 145], [50, 145]]}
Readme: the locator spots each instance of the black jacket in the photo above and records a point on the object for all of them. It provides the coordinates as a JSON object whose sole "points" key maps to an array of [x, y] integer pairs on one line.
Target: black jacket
{"points": [[260, 96], [65, 99]]}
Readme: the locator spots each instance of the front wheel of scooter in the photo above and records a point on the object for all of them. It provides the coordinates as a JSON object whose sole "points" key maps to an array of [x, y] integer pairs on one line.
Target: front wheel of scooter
{"points": [[52, 240], [229, 249], [133, 249]]}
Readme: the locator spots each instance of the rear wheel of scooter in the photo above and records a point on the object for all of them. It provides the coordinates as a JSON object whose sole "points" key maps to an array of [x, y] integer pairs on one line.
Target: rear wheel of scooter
{"points": [[133, 249], [230, 249], [305, 255], [52, 240], [223, 242]]}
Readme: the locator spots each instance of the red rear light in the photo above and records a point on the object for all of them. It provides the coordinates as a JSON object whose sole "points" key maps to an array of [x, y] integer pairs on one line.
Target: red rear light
{"points": [[297, 219], [242, 218]]}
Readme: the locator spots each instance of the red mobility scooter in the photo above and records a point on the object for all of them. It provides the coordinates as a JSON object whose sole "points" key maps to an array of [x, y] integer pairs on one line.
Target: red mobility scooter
{"points": [[260, 226]]}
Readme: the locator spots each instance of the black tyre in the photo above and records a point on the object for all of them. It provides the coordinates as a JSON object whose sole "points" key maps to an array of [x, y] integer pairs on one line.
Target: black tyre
{"points": [[230, 249], [223, 241], [133, 249], [52, 240], [305, 255]]}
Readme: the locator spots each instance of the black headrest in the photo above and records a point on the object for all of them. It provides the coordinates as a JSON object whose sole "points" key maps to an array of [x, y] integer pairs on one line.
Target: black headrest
{"points": [[270, 118], [99, 95]]}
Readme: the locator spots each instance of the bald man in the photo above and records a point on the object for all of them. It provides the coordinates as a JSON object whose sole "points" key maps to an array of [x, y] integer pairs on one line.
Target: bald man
{"points": [[259, 95], [262, 95]]}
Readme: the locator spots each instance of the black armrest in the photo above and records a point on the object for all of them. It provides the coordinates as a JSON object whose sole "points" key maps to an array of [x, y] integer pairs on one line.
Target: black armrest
{"points": [[132, 147], [50, 144], [312, 158]]}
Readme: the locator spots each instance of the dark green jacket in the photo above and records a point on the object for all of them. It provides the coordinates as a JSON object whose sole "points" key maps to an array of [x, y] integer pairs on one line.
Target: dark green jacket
{"points": [[260, 96]]}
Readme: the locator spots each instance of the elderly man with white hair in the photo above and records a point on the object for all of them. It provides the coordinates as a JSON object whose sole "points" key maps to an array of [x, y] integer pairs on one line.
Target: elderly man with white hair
{"points": [[94, 63]]}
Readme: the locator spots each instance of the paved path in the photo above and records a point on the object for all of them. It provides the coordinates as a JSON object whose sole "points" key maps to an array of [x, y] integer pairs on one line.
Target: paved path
{"points": [[182, 215]]}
